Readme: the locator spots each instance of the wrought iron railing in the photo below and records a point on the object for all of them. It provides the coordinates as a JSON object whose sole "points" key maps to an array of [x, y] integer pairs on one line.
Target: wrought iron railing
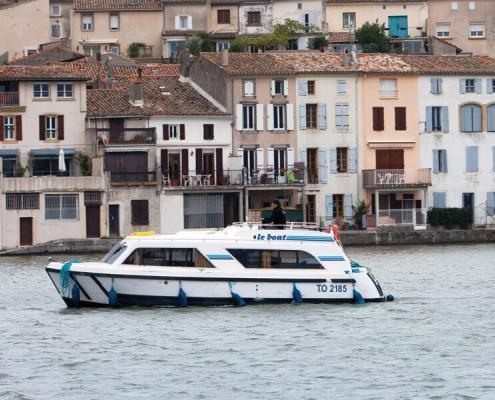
{"points": [[396, 177], [9, 98], [129, 135]]}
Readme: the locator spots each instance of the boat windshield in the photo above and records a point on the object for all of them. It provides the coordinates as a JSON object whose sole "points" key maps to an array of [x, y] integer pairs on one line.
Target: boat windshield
{"points": [[114, 253]]}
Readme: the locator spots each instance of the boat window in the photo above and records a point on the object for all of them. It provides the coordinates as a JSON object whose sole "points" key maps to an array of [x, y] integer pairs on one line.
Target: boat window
{"points": [[251, 258], [114, 253], [167, 257]]}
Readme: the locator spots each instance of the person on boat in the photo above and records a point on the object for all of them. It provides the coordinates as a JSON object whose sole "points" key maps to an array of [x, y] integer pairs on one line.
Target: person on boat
{"points": [[277, 217]]}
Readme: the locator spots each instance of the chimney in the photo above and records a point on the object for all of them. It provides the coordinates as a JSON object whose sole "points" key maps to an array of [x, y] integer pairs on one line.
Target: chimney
{"points": [[98, 57], [225, 58], [346, 58], [136, 97], [185, 62]]}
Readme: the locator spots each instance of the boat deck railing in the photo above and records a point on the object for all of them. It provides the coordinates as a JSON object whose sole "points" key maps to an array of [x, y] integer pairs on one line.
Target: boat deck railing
{"points": [[288, 226]]}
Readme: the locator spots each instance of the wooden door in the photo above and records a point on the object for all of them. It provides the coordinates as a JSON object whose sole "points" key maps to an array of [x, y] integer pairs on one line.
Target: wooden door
{"points": [[93, 221], [116, 130], [311, 208], [209, 166], [26, 231], [312, 155], [113, 220], [390, 159], [174, 169]]}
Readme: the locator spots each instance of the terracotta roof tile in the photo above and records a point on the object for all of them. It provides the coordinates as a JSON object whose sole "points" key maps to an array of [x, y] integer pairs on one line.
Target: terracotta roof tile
{"points": [[374, 1], [55, 54], [45, 73], [81, 5], [339, 37]]}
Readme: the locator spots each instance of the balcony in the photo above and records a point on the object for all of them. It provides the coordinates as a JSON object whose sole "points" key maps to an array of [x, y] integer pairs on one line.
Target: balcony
{"points": [[129, 136], [9, 99], [53, 184], [138, 178], [396, 178]]}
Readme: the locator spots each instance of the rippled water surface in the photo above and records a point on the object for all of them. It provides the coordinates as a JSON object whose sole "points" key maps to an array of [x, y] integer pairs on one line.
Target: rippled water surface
{"points": [[436, 341]]}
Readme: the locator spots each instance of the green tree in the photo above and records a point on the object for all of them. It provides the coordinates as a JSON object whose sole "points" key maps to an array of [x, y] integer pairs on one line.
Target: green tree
{"points": [[373, 38], [199, 43], [358, 211], [318, 43], [134, 50]]}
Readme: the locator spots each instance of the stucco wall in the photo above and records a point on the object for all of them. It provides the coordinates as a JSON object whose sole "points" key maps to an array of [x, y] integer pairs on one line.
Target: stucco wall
{"points": [[172, 212], [266, 11], [211, 78], [198, 13], [214, 26], [288, 9]]}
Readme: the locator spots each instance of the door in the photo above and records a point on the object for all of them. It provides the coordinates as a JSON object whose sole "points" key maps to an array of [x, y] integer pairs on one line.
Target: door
{"points": [[397, 26], [174, 169], [468, 200], [116, 130], [93, 221], [311, 208], [250, 162], [113, 220], [390, 159], [26, 231], [312, 155], [279, 161], [208, 166]]}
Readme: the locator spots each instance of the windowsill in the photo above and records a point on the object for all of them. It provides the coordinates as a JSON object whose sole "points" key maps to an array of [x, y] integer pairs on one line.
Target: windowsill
{"points": [[253, 25], [389, 97], [66, 99], [87, 30], [114, 30], [279, 131], [248, 98], [10, 141], [42, 99], [246, 131], [50, 140], [445, 38], [477, 38]]}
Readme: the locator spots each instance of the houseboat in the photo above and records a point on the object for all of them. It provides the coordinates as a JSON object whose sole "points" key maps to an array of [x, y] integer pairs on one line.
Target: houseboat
{"points": [[243, 263]]}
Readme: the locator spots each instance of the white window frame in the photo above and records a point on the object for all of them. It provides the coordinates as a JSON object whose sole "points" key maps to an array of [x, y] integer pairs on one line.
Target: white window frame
{"points": [[248, 118], [223, 45], [63, 91], [442, 169], [454, 5], [443, 33], [9, 127], [279, 117], [470, 88], [41, 93], [281, 153], [114, 49], [183, 18], [51, 127], [281, 83], [436, 112], [477, 30], [341, 87], [55, 7], [348, 20], [87, 26], [472, 5], [246, 85], [114, 16], [174, 132]]}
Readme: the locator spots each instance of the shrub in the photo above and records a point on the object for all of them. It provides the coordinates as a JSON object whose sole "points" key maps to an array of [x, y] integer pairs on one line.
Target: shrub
{"points": [[85, 164], [318, 43], [451, 217], [133, 51]]}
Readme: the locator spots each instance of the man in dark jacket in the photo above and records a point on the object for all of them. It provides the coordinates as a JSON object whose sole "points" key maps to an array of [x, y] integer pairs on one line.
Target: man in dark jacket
{"points": [[277, 217]]}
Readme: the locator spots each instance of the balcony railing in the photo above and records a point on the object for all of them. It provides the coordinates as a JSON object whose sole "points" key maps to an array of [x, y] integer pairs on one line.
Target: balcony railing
{"points": [[133, 178], [130, 136], [232, 178], [392, 178], [9, 99]]}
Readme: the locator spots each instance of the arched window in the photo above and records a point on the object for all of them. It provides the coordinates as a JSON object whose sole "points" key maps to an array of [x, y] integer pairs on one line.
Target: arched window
{"points": [[491, 118], [471, 118]]}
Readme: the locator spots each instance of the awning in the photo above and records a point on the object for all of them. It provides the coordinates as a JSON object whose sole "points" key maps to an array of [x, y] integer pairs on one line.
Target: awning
{"points": [[9, 153], [124, 149], [51, 152], [403, 144]]}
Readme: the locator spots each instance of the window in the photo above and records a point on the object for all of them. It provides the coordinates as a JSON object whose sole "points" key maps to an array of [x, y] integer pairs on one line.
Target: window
{"points": [[183, 22], [278, 87], [342, 116], [278, 116], [436, 119], [56, 30], [439, 161], [41, 90], [311, 87], [454, 5], [9, 128], [290, 259], [65, 90], [436, 85], [253, 18], [91, 50], [208, 131], [307, 20], [342, 160], [311, 116], [114, 253], [443, 30], [468, 200], [477, 30], [61, 206], [51, 127], [472, 159], [9, 166], [472, 5], [341, 87], [139, 212], [168, 257], [173, 131], [22, 201], [338, 205], [378, 119], [471, 120], [248, 87], [56, 10], [87, 22], [349, 20], [400, 119], [114, 49], [223, 16], [468, 85], [114, 21], [174, 47], [280, 160], [388, 88], [48, 166], [490, 119], [248, 116], [222, 46]]}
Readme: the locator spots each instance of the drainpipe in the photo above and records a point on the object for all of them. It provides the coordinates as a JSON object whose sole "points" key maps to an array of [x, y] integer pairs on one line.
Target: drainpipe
{"points": [[358, 147]]}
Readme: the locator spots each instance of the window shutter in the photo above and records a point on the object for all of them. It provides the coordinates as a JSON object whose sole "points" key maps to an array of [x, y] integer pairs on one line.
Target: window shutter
{"points": [[189, 22], [302, 116], [493, 156], [219, 165], [322, 116], [436, 162], [42, 128], [445, 119], [260, 162], [378, 119], [290, 116], [429, 120], [286, 87], [303, 156], [18, 127], [165, 131], [434, 85], [462, 83], [1, 129], [490, 111], [269, 120], [333, 160], [353, 160], [238, 116], [139, 212], [164, 162], [329, 206], [477, 119], [302, 87], [184, 161], [440, 86], [273, 87], [489, 85], [271, 162], [439, 200], [290, 158], [199, 161], [443, 158], [60, 127], [177, 22], [400, 118], [260, 117], [323, 166], [478, 86], [466, 119], [182, 133], [348, 205], [490, 202], [472, 159]]}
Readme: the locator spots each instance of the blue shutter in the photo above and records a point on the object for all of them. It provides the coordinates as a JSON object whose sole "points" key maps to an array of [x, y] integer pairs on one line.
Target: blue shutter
{"points": [[493, 162], [435, 161], [333, 160], [443, 159], [445, 119], [477, 122], [439, 200], [490, 118], [462, 88], [322, 116], [348, 205], [323, 166], [478, 86], [303, 87], [489, 85], [329, 206], [353, 160], [429, 119], [472, 159], [490, 199], [302, 116], [302, 156], [466, 119], [434, 85], [440, 85]]}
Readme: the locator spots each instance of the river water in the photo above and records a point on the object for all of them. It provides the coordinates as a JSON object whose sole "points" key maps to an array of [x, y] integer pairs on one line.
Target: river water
{"points": [[436, 341]]}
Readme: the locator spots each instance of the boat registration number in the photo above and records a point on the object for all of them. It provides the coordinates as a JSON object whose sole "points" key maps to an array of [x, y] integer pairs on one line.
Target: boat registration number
{"points": [[324, 288]]}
